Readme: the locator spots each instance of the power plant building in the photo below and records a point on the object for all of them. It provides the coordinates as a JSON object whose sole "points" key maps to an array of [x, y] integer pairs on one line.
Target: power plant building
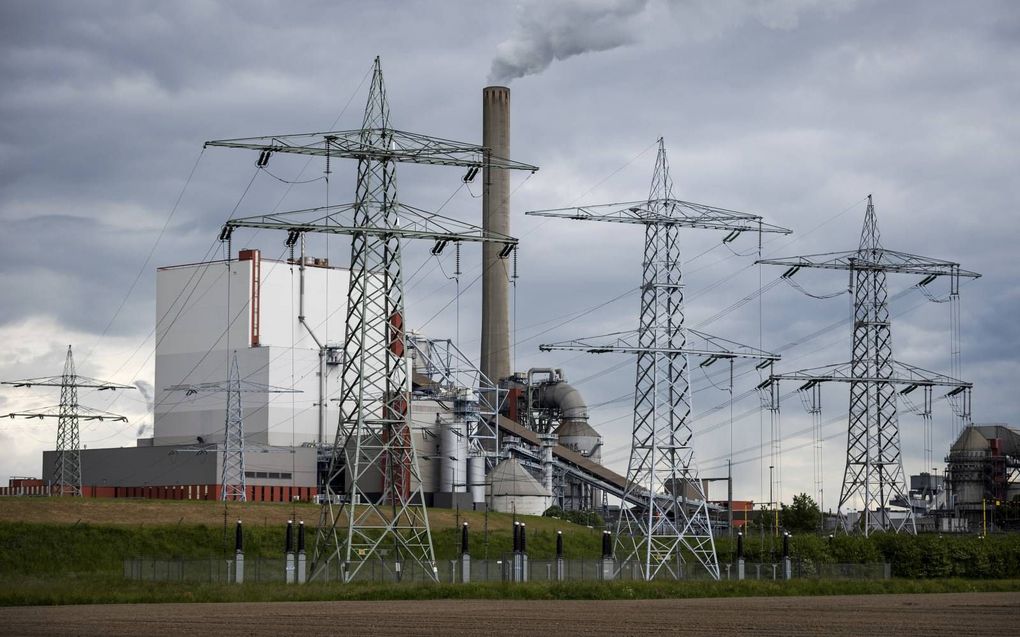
{"points": [[284, 320], [983, 475], [198, 330]]}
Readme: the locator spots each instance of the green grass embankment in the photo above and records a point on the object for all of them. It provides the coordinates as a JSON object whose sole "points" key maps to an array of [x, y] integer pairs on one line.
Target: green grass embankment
{"points": [[55, 549], [64, 551]]}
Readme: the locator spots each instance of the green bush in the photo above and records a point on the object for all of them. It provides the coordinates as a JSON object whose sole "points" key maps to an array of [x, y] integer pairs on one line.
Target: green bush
{"points": [[915, 557], [584, 518]]}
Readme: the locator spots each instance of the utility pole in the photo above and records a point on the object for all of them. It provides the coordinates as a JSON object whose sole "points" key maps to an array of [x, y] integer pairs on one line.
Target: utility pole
{"points": [[874, 475], [67, 475], [772, 504], [233, 484], [372, 496], [729, 495], [661, 523]]}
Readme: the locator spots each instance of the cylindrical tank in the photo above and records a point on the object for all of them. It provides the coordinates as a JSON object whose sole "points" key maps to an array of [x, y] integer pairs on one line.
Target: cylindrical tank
{"points": [[476, 478], [453, 456], [579, 436]]}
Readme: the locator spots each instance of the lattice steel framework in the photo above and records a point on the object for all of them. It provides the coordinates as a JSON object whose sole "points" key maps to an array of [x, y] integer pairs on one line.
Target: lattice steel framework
{"points": [[444, 372], [669, 515], [874, 474], [232, 479], [372, 497], [67, 476]]}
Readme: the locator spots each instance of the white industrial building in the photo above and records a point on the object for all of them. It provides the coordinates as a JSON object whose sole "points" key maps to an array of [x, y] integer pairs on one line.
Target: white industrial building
{"points": [[198, 330]]}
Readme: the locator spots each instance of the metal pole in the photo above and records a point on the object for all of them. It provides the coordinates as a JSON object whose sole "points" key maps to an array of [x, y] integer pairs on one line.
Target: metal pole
{"points": [[984, 519], [772, 503], [729, 492], [301, 557]]}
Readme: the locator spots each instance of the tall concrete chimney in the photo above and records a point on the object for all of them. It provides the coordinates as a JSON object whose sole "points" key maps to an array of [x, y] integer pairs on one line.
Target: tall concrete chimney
{"points": [[495, 357]]}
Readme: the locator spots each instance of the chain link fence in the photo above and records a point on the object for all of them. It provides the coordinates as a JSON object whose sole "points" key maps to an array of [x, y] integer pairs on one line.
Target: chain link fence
{"points": [[217, 570]]}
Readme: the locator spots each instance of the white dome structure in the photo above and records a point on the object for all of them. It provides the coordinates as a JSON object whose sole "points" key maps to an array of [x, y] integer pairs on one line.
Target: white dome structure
{"points": [[513, 490]]}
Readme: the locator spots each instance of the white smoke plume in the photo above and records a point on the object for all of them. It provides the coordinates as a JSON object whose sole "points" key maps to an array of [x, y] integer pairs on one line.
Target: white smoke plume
{"points": [[145, 388], [548, 31]]}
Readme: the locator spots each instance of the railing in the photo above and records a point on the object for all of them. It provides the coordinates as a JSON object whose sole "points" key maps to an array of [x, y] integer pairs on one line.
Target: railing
{"points": [[217, 570]]}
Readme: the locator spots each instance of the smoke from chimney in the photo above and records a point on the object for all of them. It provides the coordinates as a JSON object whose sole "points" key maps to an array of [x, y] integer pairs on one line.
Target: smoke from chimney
{"points": [[145, 388], [548, 31]]}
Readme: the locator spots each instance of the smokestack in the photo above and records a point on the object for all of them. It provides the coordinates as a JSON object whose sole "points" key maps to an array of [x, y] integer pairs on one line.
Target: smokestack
{"points": [[495, 356]]}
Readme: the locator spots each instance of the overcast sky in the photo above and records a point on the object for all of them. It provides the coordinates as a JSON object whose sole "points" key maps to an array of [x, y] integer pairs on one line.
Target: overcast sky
{"points": [[794, 109]]}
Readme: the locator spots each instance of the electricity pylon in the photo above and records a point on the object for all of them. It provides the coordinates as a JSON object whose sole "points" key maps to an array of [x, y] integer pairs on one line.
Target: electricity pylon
{"points": [[668, 514], [67, 477], [372, 494], [874, 477], [232, 479]]}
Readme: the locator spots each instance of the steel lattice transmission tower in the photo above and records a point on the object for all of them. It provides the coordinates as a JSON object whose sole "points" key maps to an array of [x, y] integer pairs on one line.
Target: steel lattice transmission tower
{"points": [[874, 477], [372, 499], [67, 476], [232, 479], [668, 516]]}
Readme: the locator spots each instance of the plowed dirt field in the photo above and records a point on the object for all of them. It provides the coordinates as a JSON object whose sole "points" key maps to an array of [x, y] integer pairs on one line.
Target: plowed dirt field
{"points": [[873, 615]]}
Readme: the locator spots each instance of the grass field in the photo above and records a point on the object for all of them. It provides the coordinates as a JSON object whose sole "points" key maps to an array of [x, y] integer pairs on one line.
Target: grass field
{"points": [[71, 551], [140, 512], [75, 589], [96, 535]]}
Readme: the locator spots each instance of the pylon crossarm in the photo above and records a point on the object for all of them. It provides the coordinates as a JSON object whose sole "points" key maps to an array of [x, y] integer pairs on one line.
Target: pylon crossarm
{"points": [[415, 223], [378, 144], [902, 374], [873, 259], [248, 449], [81, 382], [666, 212], [705, 345], [245, 387], [81, 413]]}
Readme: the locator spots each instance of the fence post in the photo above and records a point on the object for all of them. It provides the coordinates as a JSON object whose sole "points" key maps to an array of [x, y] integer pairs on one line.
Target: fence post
{"points": [[740, 555], [559, 557], [787, 567], [465, 555], [608, 564], [239, 554], [289, 563], [302, 560], [524, 554]]}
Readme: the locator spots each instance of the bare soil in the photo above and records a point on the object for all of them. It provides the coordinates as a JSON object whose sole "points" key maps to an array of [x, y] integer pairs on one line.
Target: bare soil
{"points": [[931, 615]]}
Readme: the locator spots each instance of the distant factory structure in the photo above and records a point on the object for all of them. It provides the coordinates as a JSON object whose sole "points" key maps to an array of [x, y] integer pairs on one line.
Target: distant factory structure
{"points": [[983, 477], [520, 442]]}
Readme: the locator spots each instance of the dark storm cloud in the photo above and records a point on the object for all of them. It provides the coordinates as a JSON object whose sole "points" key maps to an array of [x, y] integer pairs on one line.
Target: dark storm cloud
{"points": [[795, 110]]}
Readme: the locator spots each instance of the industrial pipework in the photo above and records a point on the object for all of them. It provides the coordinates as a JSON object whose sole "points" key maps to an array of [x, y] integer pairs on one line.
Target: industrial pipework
{"points": [[555, 393]]}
